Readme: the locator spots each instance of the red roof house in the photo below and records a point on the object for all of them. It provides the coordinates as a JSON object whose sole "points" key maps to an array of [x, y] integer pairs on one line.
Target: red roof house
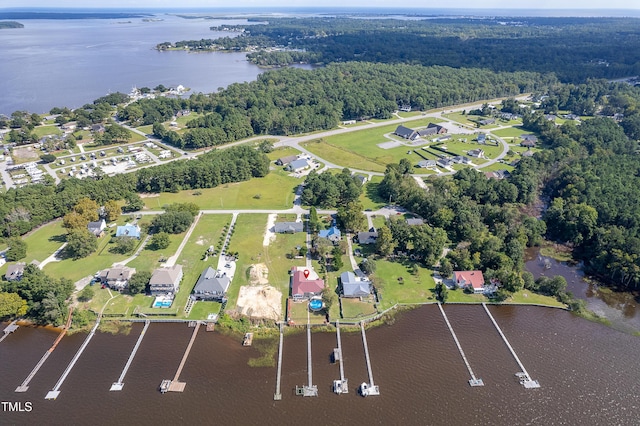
{"points": [[471, 279], [303, 288]]}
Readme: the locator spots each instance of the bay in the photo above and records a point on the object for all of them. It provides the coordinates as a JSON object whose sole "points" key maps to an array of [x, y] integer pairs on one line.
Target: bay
{"points": [[73, 62]]}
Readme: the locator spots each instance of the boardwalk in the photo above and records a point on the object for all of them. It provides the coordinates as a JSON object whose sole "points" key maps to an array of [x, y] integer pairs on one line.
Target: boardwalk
{"points": [[9, 329], [371, 389], [25, 385], [53, 394], [525, 379], [278, 396], [117, 386], [310, 389], [474, 381], [342, 385], [176, 385]]}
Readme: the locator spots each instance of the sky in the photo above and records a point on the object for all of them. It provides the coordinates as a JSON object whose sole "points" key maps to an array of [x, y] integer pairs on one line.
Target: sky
{"points": [[432, 4]]}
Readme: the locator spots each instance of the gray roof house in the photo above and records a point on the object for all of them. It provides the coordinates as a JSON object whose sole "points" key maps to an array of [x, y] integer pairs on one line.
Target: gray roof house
{"points": [[297, 165], [432, 129], [283, 161], [461, 159], [415, 221], [426, 163], [353, 286], [211, 285], [288, 227], [444, 162], [117, 277], [15, 271], [97, 228], [406, 133], [165, 280], [368, 237]]}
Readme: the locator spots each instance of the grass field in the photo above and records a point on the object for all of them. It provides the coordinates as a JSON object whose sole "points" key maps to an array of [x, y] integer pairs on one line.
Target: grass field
{"points": [[396, 283], [355, 308], [45, 241], [369, 197], [497, 166], [512, 132], [41, 131], [274, 191], [461, 148]]}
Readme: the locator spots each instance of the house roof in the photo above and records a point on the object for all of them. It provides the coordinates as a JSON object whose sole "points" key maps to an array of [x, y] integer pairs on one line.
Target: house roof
{"points": [[286, 160], [166, 275], [367, 237], [211, 282], [426, 163], [118, 273], [128, 231], [331, 232], [472, 278], [301, 285], [97, 226], [281, 227], [406, 132], [415, 221], [15, 270], [352, 286], [298, 164]]}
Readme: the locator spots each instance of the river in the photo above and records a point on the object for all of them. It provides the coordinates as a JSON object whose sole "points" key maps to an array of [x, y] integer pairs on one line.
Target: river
{"points": [[73, 62], [588, 374]]}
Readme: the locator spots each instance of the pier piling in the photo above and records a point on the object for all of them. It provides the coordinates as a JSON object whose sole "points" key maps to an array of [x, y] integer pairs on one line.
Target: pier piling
{"points": [[473, 381], [525, 379]]}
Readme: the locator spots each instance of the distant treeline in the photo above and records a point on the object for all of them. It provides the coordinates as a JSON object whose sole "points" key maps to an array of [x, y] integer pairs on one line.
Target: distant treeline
{"points": [[10, 24], [291, 101], [573, 48], [22, 209]]}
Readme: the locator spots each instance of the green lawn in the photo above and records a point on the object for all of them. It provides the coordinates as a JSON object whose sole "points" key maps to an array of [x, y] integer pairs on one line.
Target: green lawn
{"points": [[343, 157], [512, 132], [369, 197], [497, 166], [41, 131], [146, 129], [461, 148], [526, 296], [411, 289], [247, 241], [354, 308], [45, 241], [300, 312], [274, 191], [282, 152]]}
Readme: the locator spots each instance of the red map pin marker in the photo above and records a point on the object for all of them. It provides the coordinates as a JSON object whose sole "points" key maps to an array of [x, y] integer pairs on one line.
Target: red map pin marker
{"points": [[306, 274]]}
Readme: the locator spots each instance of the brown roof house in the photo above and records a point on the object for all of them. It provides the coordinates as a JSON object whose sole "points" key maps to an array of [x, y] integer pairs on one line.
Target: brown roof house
{"points": [[304, 288], [473, 280]]}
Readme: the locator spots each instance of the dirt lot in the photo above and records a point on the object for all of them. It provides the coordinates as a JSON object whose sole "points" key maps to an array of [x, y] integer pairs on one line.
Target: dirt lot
{"points": [[260, 300]]}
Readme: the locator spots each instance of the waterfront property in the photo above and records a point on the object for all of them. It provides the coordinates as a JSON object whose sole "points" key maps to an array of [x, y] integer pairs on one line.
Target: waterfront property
{"points": [[165, 280], [116, 278], [212, 285], [473, 280], [304, 287], [353, 286]]}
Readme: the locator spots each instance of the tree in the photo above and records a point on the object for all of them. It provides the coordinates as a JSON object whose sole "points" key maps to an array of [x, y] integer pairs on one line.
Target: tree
{"points": [[139, 281], [172, 222], [160, 241], [81, 243], [442, 292], [74, 220], [48, 158], [368, 265], [337, 258], [351, 216], [314, 222], [86, 294], [329, 297], [17, 249], [111, 211], [384, 242], [87, 208], [123, 245], [446, 268], [12, 305], [134, 203]]}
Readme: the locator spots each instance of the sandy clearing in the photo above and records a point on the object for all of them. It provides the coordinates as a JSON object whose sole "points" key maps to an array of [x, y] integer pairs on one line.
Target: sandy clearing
{"points": [[269, 235], [258, 274], [261, 301]]}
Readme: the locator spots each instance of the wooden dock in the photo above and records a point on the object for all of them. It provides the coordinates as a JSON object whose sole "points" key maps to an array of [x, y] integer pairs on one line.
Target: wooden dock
{"points": [[310, 389], [176, 385], [278, 396], [9, 329], [473, 381], [525, 379], [117, 386], [25, 385], [341, 385], [53, 394], [370, 388]]}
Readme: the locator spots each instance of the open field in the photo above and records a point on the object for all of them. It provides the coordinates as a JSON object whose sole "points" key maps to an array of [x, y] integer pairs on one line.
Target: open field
{"points": [[355, 308], [396, 283], [275, 191], [369, 197], [40, 131], [513, 132]]}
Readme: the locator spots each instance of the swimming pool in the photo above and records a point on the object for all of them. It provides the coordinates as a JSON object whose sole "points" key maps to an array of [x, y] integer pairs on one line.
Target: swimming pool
{"points": [[162, 303], [315, 304]]}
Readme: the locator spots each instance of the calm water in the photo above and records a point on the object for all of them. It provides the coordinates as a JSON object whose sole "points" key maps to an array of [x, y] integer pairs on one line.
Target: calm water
{"points": [[588, 374], [72, 62], [621, 308]]}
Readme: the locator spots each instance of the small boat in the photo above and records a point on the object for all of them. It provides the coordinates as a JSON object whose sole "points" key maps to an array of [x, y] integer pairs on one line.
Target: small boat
{"points": [[364, 389], [248, 339], [337, 386], [164, 386]]}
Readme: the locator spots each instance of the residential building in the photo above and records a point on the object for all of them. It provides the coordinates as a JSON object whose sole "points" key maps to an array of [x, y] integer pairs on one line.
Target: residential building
{"points": [[165, 280], [425, 164], [117, 277], [473, 280], [478, 152], [461, 159], [283, 161], [15, 271], [297, 165], [487, 121], [368, 237], [332, 234], [415, 221], [432, 129], [482, 138], [361, 179], [212, 285], [97, 228], [444, 162], [353, 286], [128, 230], [303, 288], [288, 227]]}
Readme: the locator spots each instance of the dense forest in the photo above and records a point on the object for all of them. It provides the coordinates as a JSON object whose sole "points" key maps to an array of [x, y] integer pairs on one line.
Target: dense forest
{"points": [[546, 45], [291, 101]]}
